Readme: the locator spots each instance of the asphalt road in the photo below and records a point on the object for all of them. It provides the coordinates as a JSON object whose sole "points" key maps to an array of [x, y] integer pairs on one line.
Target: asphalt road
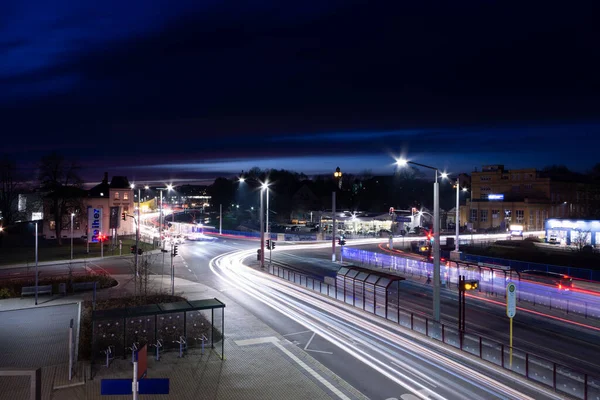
{"points": [[433, 375], [556, 340]]}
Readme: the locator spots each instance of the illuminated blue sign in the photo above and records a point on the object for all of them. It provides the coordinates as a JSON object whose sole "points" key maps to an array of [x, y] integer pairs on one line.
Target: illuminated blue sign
{"points": [[495, 197], [94, 224]]}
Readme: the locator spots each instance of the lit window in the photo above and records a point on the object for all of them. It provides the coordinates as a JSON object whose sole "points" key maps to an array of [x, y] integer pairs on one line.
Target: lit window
{"points": [[117, 195], [125, 196], [520, 214], [473, 215]]}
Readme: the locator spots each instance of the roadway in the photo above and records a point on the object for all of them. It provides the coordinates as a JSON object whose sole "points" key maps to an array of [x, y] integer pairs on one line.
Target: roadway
{"points": [[342, 338], [559, 339]]}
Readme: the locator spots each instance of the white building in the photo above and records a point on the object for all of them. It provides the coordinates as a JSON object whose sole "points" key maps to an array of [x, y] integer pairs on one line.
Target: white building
{"points": [[116, 195]]}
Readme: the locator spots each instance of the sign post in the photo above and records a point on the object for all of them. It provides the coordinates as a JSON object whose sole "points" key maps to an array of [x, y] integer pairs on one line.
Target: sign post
{"points": [[511, 309]]}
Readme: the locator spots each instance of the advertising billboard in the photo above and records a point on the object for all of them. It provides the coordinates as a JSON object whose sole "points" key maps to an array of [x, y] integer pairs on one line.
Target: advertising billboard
{"points": [[94, 224]]}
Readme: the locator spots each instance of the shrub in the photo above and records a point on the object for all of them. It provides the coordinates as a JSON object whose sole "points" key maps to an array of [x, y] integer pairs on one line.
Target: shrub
{"points": [[6, 293]]}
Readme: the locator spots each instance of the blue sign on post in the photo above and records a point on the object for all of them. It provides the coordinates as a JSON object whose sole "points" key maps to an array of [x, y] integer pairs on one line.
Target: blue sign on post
{"points": [[123, 386], [402, 219]]}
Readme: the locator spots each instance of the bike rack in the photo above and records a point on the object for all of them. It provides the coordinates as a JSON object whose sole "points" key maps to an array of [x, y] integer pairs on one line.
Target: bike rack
{"points": [[182, 345], [158, 345], [109, 350], [204, 338], [133, 348]]}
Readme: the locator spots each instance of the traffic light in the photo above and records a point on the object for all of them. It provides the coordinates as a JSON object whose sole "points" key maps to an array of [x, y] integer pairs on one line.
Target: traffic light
{"points": [[140, 251], [124, 216], [175, 251], [469, 285], [133, 249], [268, 244], [258, 255], [342, 242], [272, 244]]}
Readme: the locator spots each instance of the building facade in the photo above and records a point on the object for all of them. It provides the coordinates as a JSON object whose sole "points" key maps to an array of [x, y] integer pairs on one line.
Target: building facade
{"points": [[501, 198], [104, 196]]}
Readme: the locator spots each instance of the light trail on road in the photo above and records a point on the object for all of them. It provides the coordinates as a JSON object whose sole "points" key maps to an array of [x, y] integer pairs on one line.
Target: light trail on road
{"points": [[379, 344]]}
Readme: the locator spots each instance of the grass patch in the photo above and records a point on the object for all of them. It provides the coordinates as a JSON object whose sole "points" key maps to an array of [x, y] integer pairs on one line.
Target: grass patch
{"points": [[23, 252]]}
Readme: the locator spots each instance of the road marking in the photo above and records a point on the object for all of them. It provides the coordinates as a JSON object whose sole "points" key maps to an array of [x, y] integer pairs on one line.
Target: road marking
{"points": [[312, 372], [316, 351], [295, 333], [310, 340], [319, 351]]}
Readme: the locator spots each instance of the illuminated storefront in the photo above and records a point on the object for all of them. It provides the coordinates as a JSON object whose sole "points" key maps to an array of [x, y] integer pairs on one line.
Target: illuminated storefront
{"points": [[572, 231]]}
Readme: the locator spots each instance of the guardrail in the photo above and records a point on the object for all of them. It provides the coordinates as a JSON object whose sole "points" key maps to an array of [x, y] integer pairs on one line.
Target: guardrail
{"points": [[561, 378]]}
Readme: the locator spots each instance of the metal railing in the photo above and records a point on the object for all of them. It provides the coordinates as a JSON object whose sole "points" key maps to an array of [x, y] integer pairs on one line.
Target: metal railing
{"points": [[491, 284], [561, 378]]}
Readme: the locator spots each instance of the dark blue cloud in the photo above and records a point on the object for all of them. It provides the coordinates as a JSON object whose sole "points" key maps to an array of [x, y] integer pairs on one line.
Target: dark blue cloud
{"points": [[225, 85]]}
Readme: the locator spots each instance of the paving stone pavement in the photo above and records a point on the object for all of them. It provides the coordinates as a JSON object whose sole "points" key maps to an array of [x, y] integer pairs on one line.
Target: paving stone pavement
{"points": [[274, 369]]}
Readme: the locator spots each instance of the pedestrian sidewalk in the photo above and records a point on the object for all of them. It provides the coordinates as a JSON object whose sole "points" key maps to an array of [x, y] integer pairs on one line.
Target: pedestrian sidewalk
{"points": [[258, 364]]}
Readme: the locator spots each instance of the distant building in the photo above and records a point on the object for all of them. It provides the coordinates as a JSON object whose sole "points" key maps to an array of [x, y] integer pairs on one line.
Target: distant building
{"points": [[116, 195], [527, 197]]}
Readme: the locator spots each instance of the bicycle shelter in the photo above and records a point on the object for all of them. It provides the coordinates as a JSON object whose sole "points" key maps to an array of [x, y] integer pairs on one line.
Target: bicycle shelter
{"points": [[196, 321]]}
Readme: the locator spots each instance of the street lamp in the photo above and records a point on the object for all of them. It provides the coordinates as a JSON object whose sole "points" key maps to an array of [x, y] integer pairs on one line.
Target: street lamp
{"points": [[160, 217], [137, 231], [456, 253], [36, 262], [436, 234], [262, 227], [337, 175], [265, 187], [72, 215]]}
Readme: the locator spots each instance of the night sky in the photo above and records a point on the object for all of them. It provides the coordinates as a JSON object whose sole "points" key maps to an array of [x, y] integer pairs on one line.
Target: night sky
{"points": [[189, 90]]}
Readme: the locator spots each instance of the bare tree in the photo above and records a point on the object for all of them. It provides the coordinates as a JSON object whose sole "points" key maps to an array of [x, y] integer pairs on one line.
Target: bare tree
{"points": [[144, 286], [59, 178], [580, 239], [9, 187]]}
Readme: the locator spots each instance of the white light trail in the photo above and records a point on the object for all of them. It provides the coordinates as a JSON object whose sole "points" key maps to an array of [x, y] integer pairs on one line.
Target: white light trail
{"points": [[358, 333]]}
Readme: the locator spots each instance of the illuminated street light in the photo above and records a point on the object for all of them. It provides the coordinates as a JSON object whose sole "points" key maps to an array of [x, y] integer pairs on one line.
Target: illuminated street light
{"points": [[72, 215], [242, 179], [456, 253], [436, 234]]}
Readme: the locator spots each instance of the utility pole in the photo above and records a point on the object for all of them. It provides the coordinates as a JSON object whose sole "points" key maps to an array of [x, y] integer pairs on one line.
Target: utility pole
{"points": [[262, 231], [337, 184]]}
